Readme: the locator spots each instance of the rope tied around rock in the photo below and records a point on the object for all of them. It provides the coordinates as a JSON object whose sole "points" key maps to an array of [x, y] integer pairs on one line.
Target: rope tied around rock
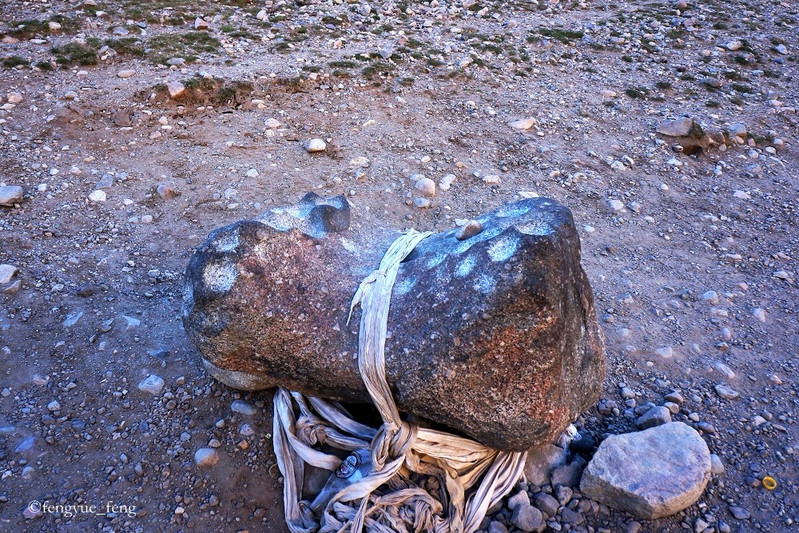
{"points": [[399, 477]]}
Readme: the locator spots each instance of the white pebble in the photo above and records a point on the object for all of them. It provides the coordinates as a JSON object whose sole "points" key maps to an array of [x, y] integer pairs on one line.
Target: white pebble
{"points": [[152, 384], [315, 145], [97, 196], [426, 187], [206, 457]]}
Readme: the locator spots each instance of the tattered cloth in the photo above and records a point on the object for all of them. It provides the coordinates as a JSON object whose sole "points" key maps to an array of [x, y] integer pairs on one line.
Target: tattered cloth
{"points": [[419, 480]]}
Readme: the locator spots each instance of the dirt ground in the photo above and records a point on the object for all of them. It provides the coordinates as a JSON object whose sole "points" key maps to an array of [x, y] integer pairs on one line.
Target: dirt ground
{"points": [[694, 269]]}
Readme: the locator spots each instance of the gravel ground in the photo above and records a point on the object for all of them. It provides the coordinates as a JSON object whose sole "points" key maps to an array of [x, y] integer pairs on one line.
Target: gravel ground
{"points": [[691, 246]]}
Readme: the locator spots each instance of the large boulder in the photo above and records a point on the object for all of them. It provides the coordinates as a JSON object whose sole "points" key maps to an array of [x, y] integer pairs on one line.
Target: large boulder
{"points": [[652, 473], [492, 329]]}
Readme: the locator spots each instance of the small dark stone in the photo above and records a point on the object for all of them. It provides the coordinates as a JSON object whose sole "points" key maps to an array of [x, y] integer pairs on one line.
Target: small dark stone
{"points": [[571, 517], [84, 291], [568, 475], [583, 443], [546, 504]]}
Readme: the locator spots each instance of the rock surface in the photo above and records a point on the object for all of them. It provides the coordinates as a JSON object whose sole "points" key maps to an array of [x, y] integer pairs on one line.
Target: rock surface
{"points": [[651, 473], [267, 300]]}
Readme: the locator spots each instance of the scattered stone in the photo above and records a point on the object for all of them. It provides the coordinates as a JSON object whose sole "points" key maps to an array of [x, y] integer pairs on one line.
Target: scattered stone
{"points": [[651, 473], [568, 475], [469, 230], [497, 527], [131, 322], [759, 314], [152, 384], [246, 430], [732, 46], [541, 462], [680, 127], [175, 61], [97, 195], [616, 205], [314, 145], [726, 392], [446, 182], [781, 49], [742, 195], [7, 273], [176, 89], [426, 187], [711, 297], [528, 518], [546, 503], [15, 98], [167, 192], [272, 124], [206, 457], [127, 73], [72, 319], [53, 406], [675, 397], [665, 352], [739, 512], [421, 203], [200, 24], [657, 416], [571, 517], [523, 124], [10, 195], [738, 130], [243, 408], [716, 466], [723, 369]]}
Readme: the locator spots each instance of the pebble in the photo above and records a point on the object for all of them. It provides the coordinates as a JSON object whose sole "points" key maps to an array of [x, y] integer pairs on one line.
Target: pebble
{"points": [[675, 397], [726, 392], [176, 89], [732, 46], [127, 73], [272, 123], [468, 230], [742, 195], [739, 512], [252, 173], [314, 145], [759, 314], [711, 297], [616, 205], [200, 24], [10, 195], [446, 182], [781, 49], [523, 124], [421, 203], [246, 430], [546, 503], [15, 98], [716, 466], [723, 369], [175, 61], [167, 192], [243, 408], [680, 127], [527, 518], [97, 195], [7, 273], [206, 457], [666, 352], [426, 187], [492, 179], [608, 94], [53, 406], [657, 416], [153, 384]]}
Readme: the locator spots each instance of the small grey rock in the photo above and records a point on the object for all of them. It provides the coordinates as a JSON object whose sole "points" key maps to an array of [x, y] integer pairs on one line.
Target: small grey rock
{"points": [[206, 457], [541, 462], [657, 416], [7, 273], [568, 475], [10, 195], [314, 145], [527, 518], [675, 397], [546, 503], [243, 408], [716, 465], [739, 512], [469, 230], [497, 527], [153, 384], [426, 187], [571, 517], [726, 392], [680, 127]]}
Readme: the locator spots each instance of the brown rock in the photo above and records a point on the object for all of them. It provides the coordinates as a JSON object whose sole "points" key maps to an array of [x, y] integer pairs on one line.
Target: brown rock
{"points": [[494, 336]]}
